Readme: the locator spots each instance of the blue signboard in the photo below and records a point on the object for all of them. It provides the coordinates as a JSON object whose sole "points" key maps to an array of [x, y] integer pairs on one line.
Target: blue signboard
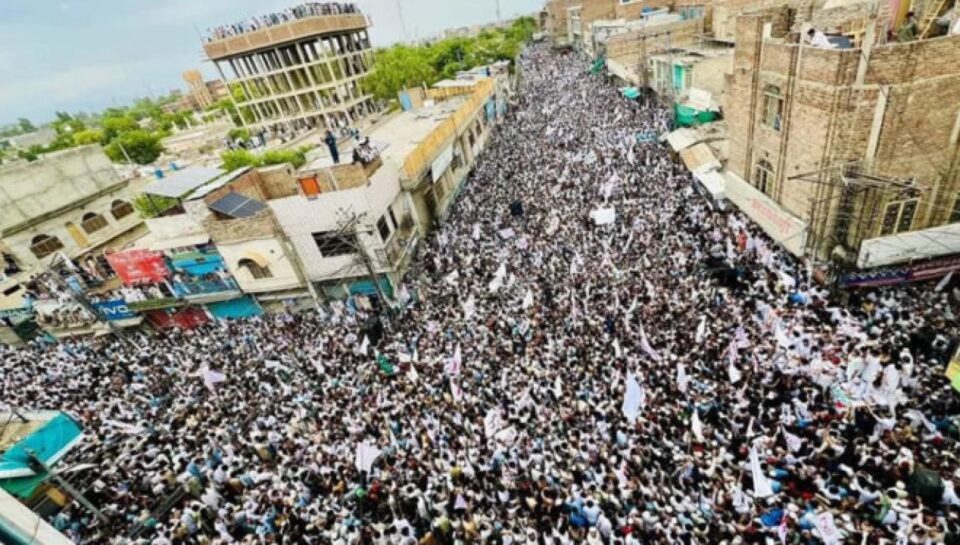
{"points": [[115, 309]]}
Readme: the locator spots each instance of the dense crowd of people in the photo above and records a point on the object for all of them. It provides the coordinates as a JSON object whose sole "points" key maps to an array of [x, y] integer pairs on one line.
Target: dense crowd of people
{"points": [[307, 9], [590, 352]]}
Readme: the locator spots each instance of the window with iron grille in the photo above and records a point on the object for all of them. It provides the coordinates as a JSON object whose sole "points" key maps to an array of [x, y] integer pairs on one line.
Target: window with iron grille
{"points": [[121, 209], [763, 177], [898, 217], [44, 245], [332, 244], [772, 107], [93, 222]]}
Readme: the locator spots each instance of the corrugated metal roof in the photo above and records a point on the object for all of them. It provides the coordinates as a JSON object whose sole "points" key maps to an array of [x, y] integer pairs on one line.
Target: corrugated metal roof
{"points": [[182, 182]]}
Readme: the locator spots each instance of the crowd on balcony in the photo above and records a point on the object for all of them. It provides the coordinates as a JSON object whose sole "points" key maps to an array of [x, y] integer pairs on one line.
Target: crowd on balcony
{"points": [[302, 11], [664, 374]]}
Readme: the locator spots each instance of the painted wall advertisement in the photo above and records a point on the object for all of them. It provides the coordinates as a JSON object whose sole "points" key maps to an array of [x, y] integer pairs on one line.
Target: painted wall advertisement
{"points": [[139, 266]]}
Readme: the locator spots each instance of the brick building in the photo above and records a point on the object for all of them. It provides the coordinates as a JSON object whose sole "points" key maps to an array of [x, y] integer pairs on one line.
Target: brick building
{"points": [[852, 144]]}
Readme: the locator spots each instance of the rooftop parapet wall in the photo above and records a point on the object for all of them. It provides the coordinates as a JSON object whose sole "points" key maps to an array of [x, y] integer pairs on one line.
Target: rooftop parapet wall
{"points": [[419, 159], [288, 32]]}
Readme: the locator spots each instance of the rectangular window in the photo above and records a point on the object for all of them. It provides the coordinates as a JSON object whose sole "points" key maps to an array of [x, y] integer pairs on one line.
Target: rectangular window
{"points": [[772, 107], [393, 219], [383, 228], [898, 217], [332, 244], [310, 187]]}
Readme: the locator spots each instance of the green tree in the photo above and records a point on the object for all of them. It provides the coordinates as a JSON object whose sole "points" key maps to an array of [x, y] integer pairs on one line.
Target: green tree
{"points": [[88, 136], [142, 147], [25, 125], [239, 158], [153, 206], [114, 126]]}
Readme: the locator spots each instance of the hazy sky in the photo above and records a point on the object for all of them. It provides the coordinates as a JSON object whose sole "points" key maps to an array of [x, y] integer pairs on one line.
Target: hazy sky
{"points": [[85, 55]]}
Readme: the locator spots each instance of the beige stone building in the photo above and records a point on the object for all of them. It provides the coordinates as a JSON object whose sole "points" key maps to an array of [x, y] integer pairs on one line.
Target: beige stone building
{"points": [[303, 73], [71, 202], [835, 151]]}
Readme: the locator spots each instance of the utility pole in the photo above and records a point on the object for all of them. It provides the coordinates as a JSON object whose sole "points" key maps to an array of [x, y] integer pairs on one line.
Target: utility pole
{"points": [[403, 25], [76, 494], [350, 232], [499, 18]]}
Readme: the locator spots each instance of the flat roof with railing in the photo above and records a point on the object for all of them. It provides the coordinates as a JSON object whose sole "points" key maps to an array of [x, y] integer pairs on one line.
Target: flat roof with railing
{"points": [[291, 31]]}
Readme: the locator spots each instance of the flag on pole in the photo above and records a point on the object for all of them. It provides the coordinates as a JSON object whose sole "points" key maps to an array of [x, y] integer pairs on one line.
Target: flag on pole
{"points": [[528, 299], [696, 426], [794, 443], [211, 378], [385, 366], [366, 455], [645, 345], [455, 364], [701, 329], [761, 485], [364, 345], [943, 283], [456, 392], [682, 378], [470, 307], [634, 399]]}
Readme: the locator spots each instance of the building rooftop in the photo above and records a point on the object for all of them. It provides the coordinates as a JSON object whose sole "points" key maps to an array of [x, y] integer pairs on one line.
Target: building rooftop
{"points": [[298, 22], [402, 134]]}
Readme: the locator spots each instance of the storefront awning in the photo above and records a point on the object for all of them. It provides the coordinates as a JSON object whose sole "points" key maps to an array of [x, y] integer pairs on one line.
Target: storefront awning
{"points": [[699, 158], [712, 181], [782, 226], [681, 138]]}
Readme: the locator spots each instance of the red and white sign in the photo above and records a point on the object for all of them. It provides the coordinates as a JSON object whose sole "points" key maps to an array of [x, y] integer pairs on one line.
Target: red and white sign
{"points": [[139, 266]]}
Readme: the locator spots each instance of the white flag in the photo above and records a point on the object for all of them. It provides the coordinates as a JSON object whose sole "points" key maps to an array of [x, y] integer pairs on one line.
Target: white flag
{"points": [[528, 299], [616, 349], [761, 485], [497, 281], [633, 399], [558, 387], [943, 283], [470, 307], [366, 455], [645, 345], [492, 422], [682, 379], [829, 533], [794, 443], [211, 378], [735, 374], [476, 231], [364, 345], [456, 392], [701, 329], [696, 426], [455, 363]]}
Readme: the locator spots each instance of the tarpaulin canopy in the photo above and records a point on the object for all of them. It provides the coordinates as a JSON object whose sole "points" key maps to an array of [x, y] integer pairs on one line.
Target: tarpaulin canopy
{"points": [[49, 443], [630, 92], [243, 307], [685, 116], [598, 65]]}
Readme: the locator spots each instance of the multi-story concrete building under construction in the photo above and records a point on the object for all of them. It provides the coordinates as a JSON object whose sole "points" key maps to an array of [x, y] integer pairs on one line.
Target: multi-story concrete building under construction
{"points": [[300, 68]]}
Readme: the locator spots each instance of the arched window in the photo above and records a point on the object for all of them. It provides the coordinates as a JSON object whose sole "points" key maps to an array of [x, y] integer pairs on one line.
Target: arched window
{"points": [[93, 222], [44, 245], [772, 107], [256, 271], [763, 177], [120, 209]]}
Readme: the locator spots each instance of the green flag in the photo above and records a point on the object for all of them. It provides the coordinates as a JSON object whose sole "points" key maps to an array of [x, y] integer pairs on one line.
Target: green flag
{"points": [[385, 365]]}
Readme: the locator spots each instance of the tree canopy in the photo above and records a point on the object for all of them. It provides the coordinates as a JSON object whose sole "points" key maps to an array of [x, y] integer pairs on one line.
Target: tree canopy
{"points": [[402, 66]]}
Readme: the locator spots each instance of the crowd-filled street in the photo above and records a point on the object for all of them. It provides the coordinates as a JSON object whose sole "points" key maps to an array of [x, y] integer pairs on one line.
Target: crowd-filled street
{"points": [[670, 377]]}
